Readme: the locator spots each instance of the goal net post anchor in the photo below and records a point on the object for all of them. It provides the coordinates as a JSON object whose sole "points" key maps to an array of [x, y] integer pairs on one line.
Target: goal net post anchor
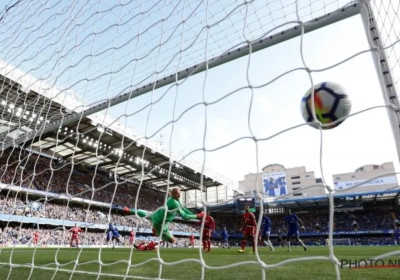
{"points": [[382, 67]]}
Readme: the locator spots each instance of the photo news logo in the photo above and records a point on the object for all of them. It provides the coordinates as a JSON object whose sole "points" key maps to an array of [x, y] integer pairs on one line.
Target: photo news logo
{"points": [[369, 263]]}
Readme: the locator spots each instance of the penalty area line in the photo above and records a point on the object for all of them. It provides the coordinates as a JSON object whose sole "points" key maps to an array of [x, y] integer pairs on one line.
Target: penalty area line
{"points": [[83, 272]]}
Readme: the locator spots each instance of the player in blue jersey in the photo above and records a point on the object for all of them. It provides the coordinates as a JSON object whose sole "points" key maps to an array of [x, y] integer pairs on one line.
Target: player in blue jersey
{"points": [[317, 227], [266, 232], [281, 241], [112, 234], [396, 224], [269, 186], [396, 234], [396, 231], [225, 235], [293, 223], [282, 185], [109, 236]]}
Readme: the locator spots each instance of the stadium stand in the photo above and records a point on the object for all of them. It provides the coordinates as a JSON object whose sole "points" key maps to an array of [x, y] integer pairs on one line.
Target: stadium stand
{"points": [[79, 184], [373, 212]]}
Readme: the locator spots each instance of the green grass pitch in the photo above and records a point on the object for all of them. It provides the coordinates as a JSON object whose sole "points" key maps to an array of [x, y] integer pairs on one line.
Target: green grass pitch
{"points": [[115, 264]]}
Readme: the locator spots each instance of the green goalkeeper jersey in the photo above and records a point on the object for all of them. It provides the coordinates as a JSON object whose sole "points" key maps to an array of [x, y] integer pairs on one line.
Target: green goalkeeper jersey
{"points": [[174, 206]]}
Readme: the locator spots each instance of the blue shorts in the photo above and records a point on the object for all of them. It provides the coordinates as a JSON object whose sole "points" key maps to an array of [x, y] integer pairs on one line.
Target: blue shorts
{"points": [[266, 232], [292, 232]]}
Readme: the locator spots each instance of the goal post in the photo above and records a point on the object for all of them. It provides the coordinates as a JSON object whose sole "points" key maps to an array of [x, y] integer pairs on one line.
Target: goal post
{"points": [[382, 63]]}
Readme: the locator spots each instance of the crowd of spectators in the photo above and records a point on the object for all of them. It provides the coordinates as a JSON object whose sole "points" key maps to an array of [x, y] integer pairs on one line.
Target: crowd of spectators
{"points": [[24, 236], [21, 168], [321, 241], [15, 206], [11, 236], [343, 221]]}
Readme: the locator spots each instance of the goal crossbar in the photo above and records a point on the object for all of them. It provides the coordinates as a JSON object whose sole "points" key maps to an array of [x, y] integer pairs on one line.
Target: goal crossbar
{"points": [[238, 52]]}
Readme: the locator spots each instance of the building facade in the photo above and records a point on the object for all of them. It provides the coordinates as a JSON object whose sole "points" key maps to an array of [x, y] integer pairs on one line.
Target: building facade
{"points": [[365, 179], [277, 181]]}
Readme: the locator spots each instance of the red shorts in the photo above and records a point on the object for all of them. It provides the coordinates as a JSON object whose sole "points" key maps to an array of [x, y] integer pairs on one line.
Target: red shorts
{"points": [[206, 233], [151, 248], [249, 231], [74, 237], [142, 247], [35, 240], [131, 239], [191, 242]]}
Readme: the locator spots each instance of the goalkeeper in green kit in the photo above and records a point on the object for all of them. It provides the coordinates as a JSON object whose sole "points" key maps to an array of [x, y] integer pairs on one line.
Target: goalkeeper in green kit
{"points": [[174, 206]]}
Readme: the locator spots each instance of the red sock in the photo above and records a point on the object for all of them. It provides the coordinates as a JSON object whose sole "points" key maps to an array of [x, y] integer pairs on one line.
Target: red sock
{"points": [[254, 245], [243, 244], [209, 245], [204, 245]]}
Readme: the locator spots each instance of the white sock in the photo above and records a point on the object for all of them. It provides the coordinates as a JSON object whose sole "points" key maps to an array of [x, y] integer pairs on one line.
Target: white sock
{"points": [[301, 242], [270, 245]]}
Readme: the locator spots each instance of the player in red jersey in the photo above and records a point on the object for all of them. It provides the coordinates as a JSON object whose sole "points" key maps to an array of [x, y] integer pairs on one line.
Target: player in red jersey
{"points": [[191, 240], [75, 234], [36, 236], [249, 228], [260, 239], [209, 226], [146, 247], [131, 237]]}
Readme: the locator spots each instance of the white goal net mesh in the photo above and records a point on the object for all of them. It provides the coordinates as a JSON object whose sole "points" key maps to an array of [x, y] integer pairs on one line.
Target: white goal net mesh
{"points": [[341, 242], [107, 105]]}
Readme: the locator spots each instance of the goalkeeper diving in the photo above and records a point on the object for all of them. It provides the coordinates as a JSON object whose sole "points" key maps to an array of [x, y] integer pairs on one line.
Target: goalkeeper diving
{"points": [[174, 207]]}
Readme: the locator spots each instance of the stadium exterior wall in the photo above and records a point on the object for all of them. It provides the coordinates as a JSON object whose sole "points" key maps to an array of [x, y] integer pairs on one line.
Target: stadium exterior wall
{"points": [[372, 177], [296, 179]]}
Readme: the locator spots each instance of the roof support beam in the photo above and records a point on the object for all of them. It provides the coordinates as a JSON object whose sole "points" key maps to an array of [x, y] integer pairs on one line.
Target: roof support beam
{"points": [[151, 180], [130, 172], [75, 154], [298, 203], [114, 166], [106, 163]]}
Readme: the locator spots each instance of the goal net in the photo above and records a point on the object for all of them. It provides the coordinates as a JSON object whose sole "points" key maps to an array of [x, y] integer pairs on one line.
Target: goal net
{"points": [[341, 242], [108, 105]]}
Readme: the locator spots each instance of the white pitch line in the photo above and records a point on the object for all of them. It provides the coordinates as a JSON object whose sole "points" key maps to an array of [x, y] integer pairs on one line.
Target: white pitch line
{"points": [[82, 272]]}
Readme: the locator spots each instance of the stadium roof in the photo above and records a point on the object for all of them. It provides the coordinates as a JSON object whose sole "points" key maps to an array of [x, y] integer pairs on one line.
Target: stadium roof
{"points": [[28, 104]]}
